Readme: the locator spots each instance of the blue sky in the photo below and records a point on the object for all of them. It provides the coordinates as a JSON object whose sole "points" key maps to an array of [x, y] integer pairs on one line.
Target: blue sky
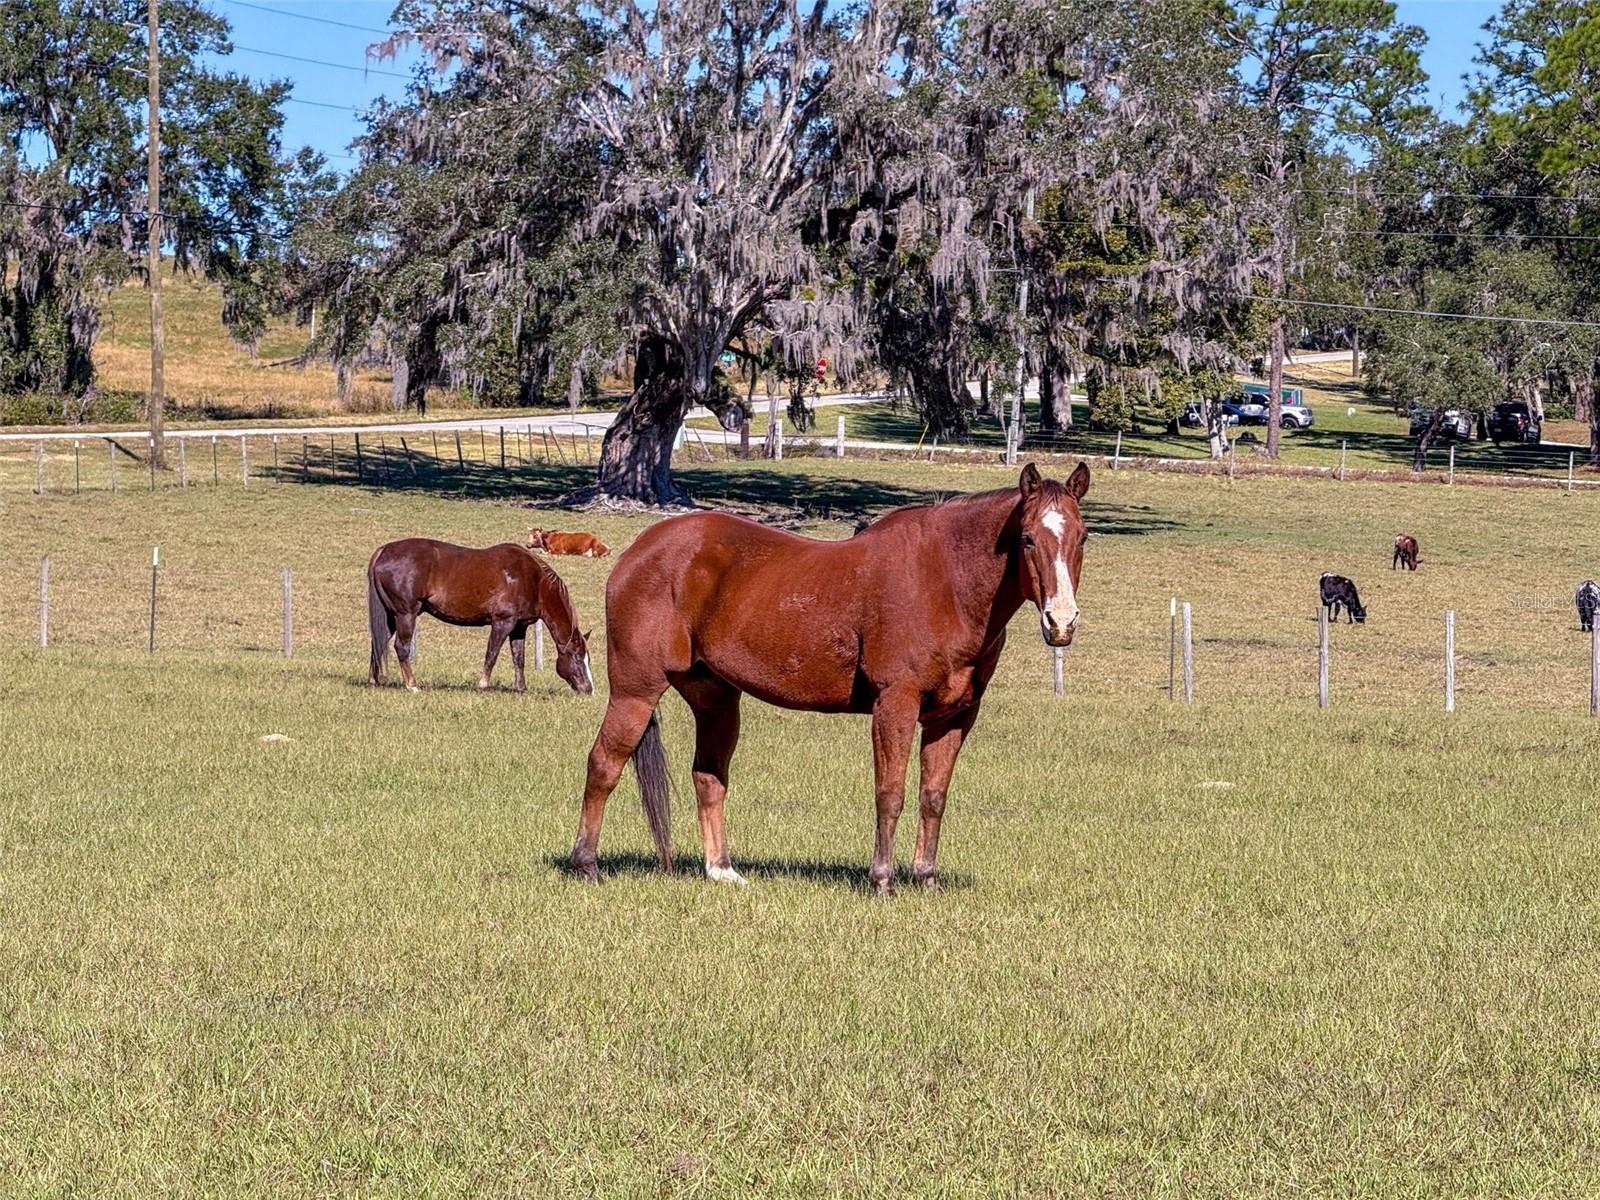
{"points": [[1454, 28]]}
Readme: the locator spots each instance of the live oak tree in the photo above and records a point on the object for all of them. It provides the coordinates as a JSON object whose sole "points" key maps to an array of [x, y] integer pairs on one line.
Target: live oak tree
{"points": [[1537, 113], [1314, 70], [657, 176], [72, 176]]}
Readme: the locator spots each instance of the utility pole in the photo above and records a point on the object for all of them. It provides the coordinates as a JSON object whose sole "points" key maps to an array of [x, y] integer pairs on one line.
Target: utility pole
{"points": [[158, 332]]}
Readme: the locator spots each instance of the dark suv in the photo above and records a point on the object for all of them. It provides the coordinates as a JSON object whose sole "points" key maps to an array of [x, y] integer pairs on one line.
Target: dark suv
{"points": [[1514, 421]]}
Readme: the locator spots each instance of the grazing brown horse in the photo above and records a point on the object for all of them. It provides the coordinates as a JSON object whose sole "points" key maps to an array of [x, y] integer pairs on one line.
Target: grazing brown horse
{"points": [[904, 621], [1405, 552], [504, 587]]}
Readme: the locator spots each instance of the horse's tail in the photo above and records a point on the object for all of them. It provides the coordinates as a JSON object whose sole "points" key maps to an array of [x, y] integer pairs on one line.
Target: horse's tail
{"points": [[650, 766], [378, 622]]}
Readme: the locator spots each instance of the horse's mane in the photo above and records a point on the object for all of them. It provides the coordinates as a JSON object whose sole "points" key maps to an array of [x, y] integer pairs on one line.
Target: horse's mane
{"points": [[1052, 492]]}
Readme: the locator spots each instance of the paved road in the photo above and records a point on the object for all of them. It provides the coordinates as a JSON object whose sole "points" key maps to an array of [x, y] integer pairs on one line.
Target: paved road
{"points": [[583, 423]]}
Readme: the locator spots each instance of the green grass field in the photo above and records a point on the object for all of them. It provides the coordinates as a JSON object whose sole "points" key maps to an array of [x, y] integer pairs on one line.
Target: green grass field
{"points": [[1246, 948]]}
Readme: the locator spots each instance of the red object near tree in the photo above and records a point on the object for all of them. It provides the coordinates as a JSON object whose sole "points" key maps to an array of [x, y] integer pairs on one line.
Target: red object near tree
{"points": [[822, 368]]}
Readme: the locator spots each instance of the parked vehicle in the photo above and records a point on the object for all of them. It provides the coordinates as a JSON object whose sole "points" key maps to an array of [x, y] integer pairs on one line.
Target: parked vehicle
{"points": [[1295, 416], [1514, 421], [1190, 416], [1456, 424], [1246, 409]]}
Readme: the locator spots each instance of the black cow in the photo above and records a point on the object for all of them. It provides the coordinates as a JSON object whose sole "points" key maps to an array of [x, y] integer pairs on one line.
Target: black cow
{"points": [[1338, 592], [1587, 598]]}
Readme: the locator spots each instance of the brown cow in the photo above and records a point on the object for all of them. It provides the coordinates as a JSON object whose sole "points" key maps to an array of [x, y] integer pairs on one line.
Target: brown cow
{"points": [[554, 541], [1405, 551]]}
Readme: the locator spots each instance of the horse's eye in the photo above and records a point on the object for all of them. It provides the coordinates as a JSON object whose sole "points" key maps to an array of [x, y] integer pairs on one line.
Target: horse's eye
{"points": [[1027, 540]]}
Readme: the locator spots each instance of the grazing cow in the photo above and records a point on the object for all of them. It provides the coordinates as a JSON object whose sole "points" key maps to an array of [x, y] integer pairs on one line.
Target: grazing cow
{"points": [[553, 541], [1587, 598], [1405, 551], [1339, 592]]}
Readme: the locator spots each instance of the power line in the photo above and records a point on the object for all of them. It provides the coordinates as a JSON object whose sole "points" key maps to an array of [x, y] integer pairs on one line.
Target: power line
{"points": [[1550, 197], [1471, 234], [1419, 312], [322, 104], [317, 62], [283, 12], [107, 214]]}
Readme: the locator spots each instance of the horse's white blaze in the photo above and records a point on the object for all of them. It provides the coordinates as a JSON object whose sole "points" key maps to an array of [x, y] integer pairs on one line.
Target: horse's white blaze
{"points": [[724, 875], [588, 676], [1062, 607]]}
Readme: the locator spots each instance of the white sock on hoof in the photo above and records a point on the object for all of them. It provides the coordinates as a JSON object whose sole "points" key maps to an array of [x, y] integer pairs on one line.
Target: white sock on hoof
{"points": [[724, 875]]}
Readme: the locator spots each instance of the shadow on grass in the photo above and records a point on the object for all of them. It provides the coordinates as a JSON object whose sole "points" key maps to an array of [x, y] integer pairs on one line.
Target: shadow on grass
{"points": [[852, 876], [753, 487]]}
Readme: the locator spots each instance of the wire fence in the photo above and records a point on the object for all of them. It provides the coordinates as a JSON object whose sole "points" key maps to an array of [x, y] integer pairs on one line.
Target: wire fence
{"points": [[166, 604]]}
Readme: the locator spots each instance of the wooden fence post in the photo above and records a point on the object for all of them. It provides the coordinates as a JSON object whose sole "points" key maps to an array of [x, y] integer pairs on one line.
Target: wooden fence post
{"points": [[150, 458], [1322, 657], [305, 458], [1343, 446], [538, 645], [838, 439], [1188, 656], [502, 447], [461, 462], [244, 460], [111, 458], [1172, 647], [44, 602], [1450, 661], [1057, 670], [77, 466], [1116, 455], [276, 478], [1594, 668], [777, 440], [38, 468], [1572, 457], [155, 567], [216, 477], [288, 613], [360, 472], [1452, 464], [183, 463]]}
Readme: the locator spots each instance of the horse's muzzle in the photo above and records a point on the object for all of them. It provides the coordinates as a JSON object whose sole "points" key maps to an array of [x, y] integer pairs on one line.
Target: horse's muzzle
{"points": [[1057, 635]]}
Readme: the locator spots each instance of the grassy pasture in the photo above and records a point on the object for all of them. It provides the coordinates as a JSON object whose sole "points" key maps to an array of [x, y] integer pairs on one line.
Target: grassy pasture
{"points": [[1243, 949]]}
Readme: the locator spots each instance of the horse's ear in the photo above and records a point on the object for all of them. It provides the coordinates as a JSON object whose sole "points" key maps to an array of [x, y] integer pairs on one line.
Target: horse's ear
{"points": [[1029, 483], [1078, 481]]}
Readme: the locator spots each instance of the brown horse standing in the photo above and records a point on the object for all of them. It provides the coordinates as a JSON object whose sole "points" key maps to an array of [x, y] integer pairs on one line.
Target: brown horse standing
{"points": [[1405, 552], [905, 621], [504, 587]]}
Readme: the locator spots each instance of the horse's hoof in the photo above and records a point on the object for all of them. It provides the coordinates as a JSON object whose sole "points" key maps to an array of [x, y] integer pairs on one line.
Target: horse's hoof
{"points": [[483, 685], [725, 875], [929, 883], [411, 687], [883, 889]]}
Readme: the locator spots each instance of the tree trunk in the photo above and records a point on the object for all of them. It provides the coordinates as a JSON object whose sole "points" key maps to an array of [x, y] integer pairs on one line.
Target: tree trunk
{"points": [[1419, 457], [636, 456], [1275, 387], [1583, 393], [1211, 414], [1055, 394]]}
